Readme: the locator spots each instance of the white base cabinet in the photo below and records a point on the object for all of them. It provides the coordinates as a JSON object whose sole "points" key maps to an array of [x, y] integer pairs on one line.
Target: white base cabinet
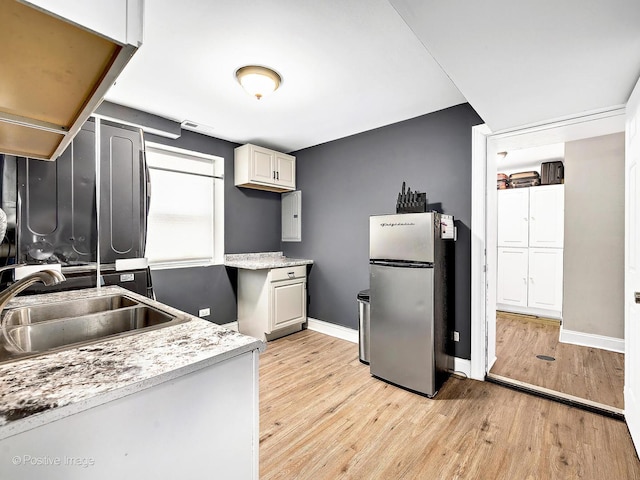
{"points": [[545, 278], [272, 303], [530, 281], [513, 273], [200, 425]]}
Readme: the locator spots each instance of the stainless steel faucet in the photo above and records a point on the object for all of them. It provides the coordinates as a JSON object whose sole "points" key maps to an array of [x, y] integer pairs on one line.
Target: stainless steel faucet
{"points": [[47, 277]]}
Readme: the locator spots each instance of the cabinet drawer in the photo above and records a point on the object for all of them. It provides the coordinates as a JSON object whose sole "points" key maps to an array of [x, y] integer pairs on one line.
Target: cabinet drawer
{"points": [[287, 273]]}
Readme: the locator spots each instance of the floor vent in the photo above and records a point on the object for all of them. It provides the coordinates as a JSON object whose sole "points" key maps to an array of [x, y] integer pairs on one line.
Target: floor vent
{"points": [[546, 357]]}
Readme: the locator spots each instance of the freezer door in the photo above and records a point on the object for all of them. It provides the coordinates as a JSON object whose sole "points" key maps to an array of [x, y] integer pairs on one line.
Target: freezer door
{"points": [[402, 327], [406, 236]]}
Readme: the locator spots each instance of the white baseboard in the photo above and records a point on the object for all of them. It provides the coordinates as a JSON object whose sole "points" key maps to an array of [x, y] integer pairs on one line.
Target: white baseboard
{"points": [[333, 330], [536, 312], [591, 340], [349, 334], [462, 365], [231, 326]]}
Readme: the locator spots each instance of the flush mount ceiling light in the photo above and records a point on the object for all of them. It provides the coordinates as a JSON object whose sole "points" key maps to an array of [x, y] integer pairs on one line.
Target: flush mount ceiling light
{"points": [[258, 81]]}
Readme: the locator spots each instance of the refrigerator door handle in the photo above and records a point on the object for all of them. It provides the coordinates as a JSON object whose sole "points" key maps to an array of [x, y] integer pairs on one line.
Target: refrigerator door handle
{"points": [[146, 195], [401, 264]]}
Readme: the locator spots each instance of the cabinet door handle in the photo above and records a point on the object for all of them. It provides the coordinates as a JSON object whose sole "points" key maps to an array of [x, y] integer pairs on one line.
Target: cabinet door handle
{"points": [[274, 174], [531, 279], [526, 219], [291, 274], [277, 175], [637, 295], [524, 279]]}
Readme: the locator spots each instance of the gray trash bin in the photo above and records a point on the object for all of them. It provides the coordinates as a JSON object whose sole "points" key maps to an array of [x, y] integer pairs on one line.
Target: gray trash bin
{"points": [[363, 325]]}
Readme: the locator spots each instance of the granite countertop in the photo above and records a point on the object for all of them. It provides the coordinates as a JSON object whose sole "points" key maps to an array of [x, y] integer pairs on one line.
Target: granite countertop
{"points": [[259, 261], [41, 389]]}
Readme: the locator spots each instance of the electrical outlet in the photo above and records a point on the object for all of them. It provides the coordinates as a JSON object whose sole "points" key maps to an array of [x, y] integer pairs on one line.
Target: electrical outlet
{"points": [[204, 312], [456, 336]]}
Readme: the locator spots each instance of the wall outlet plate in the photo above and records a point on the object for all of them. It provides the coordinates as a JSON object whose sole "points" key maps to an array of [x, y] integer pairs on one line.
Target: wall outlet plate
{"points": [[456, 336], [204, 312]]}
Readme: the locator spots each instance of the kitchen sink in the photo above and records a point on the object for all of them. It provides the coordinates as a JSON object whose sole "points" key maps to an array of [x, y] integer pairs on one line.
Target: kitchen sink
{"points": [[71, 308], [34, 330]]}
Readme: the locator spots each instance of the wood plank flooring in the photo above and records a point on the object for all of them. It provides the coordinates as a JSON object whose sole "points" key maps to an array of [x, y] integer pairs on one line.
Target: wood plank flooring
{"points": [[322, 416], [590, 373]]}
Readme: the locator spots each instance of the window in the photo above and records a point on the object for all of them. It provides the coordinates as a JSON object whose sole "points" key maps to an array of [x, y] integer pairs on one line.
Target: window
{"points": [[185, 223]]}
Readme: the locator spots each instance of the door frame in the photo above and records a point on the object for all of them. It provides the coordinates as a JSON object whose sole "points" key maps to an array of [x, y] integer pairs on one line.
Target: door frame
{"points": [[485, 146]]}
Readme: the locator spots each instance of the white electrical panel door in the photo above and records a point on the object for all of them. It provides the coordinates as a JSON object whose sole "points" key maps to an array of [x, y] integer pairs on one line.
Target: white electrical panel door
{"points": [[513, 217], [291, 216], [513, 265], [289, 304], [545, 278], [546, 216]]}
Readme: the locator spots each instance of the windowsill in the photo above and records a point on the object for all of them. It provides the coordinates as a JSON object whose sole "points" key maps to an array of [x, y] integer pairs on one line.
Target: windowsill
{"points": [[177, 265]]}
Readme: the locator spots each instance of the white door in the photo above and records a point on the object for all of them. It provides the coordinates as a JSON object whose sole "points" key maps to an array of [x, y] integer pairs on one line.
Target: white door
{"points": [[262, 165], [513, 217], [546, 216], [285, 167], [545, 278], [632, 268], [289, 304], [512, 276]]}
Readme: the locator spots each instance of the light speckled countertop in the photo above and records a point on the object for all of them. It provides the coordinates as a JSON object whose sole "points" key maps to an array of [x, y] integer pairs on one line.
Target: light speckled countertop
{"points": [[265, 260], [41, 389]]}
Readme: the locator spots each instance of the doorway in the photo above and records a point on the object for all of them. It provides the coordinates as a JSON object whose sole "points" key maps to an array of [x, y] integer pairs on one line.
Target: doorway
{"points": [[486, 148]]}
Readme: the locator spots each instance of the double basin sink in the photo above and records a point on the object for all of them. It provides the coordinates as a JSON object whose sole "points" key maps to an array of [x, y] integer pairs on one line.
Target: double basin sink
{"points": [[37, 329]]}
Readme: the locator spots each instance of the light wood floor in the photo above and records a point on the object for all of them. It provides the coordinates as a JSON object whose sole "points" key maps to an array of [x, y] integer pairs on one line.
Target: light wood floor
{"points": [[590, 373], [322, 416]]}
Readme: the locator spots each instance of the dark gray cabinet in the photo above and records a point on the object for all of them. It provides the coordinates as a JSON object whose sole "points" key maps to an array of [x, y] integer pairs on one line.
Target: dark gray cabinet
{"points": [[57, 202], [122, 194]]}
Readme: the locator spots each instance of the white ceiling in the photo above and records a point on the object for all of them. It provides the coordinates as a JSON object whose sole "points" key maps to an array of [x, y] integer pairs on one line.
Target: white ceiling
{"points": [[351, 65], [347, 66], [520, 63], [521, 159]]}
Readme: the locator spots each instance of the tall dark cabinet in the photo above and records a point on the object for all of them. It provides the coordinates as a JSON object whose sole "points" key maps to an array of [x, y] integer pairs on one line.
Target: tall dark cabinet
{"points": [[123, 202], [56, 210]]}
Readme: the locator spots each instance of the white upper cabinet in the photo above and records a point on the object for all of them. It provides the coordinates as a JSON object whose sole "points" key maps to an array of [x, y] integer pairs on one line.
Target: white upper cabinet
{"points": [[513, 217], [546, 216], [264, 169], [59, 59], [531, 217], [118, 20]]}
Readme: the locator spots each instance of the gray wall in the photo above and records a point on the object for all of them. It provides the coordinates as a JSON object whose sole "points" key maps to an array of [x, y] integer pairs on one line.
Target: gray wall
{"points": [[345, 181], [252, 224], [593, 295]]}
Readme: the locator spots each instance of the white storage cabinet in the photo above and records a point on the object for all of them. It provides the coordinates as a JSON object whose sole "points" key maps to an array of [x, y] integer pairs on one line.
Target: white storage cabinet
{"points": [[513, 276], [264, 169], [530, 254], [59, 60], [272, 302], [545, 278]]}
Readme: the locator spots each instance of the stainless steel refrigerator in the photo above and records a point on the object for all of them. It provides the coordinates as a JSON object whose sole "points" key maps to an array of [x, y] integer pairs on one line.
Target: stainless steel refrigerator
{"points": [[410, 257]]}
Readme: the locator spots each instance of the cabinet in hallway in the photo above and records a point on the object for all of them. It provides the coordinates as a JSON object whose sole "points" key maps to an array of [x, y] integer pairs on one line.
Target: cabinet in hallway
{"points": [[530, 250]]}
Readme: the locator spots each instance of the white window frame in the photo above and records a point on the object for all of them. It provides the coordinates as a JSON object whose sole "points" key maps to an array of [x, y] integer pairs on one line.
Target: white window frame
{"points": [[218, 203]]}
